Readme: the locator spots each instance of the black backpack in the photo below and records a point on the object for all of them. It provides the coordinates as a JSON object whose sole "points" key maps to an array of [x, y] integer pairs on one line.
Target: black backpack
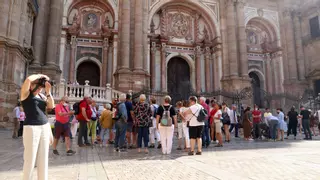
{"points": [[76, 108], [203, 115], [225, 118]]}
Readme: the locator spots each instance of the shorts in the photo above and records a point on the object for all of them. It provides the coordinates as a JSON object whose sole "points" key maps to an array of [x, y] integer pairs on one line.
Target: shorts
{"points": [[195, 132], [61, 130], [217, 125], [180, 130], [129, 127], [227, 123]]}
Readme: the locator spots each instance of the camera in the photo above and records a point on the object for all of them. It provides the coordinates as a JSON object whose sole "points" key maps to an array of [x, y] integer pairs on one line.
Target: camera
{"points": [[42, 82]]}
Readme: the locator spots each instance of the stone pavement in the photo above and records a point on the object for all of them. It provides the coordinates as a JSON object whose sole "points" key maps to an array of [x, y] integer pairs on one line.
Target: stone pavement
{"points": [[240, 160]]}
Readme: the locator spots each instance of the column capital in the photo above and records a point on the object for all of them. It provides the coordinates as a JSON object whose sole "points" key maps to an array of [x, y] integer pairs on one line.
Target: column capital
{"points": [[198, 50], [287, 12], [73, 41], [153, 47], [106, 43], [207, 52], [163, 47]]}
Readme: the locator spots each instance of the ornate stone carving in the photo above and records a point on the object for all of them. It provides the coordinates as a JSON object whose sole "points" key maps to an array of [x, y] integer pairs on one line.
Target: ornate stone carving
{"points": [[152, 27], [196, 27], [252, 38], [90, 20], [106, 32], [163, 23], [260, 12], [179, 25], [74, 29], [106, 43]]}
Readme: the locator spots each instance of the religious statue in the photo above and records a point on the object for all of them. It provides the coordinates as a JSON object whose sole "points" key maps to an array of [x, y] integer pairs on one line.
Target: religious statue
{"points": [[92, 19], [74, 29], [105, 28]]}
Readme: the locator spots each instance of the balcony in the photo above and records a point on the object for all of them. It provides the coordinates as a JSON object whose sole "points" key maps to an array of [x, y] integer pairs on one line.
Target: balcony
{"points": [[76, 93]]}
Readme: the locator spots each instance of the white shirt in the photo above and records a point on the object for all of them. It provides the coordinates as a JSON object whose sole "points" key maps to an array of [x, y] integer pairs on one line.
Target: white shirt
{"points": [[195, 109], [233, 117], [16, 112], [94, 112], [215, 117]]}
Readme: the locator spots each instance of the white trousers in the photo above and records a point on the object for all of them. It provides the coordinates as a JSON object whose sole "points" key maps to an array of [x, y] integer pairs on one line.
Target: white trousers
{"points": [[185, 131], [166, 133], [36, 140], [74, 128], [154, 133]]}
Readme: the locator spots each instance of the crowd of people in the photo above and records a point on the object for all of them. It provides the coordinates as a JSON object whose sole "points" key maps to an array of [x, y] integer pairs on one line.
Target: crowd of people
{"points": [[143, 124]]}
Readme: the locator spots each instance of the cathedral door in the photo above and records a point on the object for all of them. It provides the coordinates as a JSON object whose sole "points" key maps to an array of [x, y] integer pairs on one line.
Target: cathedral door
{"points": [[256, 88], [178, 79], [88, 71]]}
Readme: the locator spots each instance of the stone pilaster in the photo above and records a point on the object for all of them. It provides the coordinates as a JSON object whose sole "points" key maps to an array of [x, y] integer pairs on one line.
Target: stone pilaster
{"points": [[138, 36], [224, 35], [40, 33], [298, 46], [153, 65], [198, 69], [163, 68], [72, 59], [268, 74], [4, 18], [14, 24], [207, 69], [242, 39], [289, 39], [232, 39], [23, 21], [125, 37], [105, 61]]}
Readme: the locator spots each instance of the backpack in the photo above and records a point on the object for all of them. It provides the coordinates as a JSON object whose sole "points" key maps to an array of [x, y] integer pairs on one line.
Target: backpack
{"points": [[155, 110], [225, 118], [76, 108], [203, 115], [166, 119]]}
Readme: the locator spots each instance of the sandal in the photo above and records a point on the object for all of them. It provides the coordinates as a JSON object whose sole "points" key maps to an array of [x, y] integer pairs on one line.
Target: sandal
{"points": [[199, 153], [191, 153], [218, 145]]}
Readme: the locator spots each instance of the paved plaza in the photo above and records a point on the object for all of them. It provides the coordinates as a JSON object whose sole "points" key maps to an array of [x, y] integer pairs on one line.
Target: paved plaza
{"points": [[238, 160]]}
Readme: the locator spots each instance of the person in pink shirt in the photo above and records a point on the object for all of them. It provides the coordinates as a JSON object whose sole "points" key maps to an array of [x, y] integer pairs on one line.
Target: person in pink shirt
{"points": [[62, 125], [21, 120]]}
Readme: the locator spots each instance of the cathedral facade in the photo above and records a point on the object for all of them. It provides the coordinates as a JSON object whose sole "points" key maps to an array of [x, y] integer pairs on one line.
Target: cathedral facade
{"points": [[174, 46]]}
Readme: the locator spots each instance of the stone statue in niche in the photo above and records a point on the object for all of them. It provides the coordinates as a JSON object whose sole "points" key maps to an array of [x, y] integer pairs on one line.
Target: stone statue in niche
{"points": [[92, 19], [179, 25], [105, 28], [74, 29], [252, 38]]}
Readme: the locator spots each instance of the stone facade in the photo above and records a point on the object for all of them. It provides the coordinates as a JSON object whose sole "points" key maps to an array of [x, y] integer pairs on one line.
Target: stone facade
{"points": [[228, 44]]}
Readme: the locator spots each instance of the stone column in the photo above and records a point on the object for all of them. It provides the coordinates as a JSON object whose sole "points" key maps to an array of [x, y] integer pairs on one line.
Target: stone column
{"points": [[198, 69], [23, 21], [242, 39], [291, 54], [163, 68], [72, 59], [54, 32], [138, 35], [269, 75], [40, 32], [299, 47], [125, 35], [217, 67], [232, 39], [153, 65], [207, 69], [105, 61]]}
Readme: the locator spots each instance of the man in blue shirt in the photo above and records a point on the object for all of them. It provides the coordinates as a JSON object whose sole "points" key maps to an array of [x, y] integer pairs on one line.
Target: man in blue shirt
{"points": [[121, 125]]}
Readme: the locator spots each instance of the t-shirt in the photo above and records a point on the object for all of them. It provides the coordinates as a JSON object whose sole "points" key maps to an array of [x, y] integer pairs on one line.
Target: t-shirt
{"points": [[22, 116], [129, 109], [256, 113], [84, 104], [293, 116], [216, 115], [16, 112], [161, 110], [195, 109], [305, 114], [62, 109]]}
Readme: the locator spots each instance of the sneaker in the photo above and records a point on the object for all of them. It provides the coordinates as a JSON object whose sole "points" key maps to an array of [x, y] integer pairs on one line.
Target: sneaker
{"points": [[151, 146], [159, 146], [55, 152], [116, 149], [70, 152]]}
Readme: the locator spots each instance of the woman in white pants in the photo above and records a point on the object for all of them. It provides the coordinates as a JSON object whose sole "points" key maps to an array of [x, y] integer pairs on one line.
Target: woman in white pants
{"points": [[37, 133], [166, 115]]}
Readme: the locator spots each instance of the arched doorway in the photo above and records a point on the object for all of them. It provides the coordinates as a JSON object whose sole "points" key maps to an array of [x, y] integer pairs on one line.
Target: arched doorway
{"points": [[88, 71], [178, 75], [256, 88]]}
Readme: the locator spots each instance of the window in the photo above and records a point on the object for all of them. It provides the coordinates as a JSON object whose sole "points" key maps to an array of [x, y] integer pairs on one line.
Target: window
{"points": [[314, 27]]}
